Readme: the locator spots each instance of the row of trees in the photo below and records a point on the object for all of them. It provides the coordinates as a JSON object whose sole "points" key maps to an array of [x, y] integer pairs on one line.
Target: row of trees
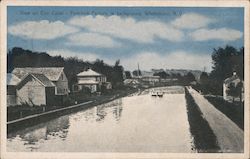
{"points": [[18, 57], [225, 61]]}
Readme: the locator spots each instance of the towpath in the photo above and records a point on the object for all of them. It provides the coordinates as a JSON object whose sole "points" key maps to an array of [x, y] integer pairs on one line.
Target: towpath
{"points": [[229, 136]]}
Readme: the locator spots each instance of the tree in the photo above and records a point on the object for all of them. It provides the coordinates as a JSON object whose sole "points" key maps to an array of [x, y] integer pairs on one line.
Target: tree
{"points": [[225, 62], [162, 74], [117, 74], [135, 73], [204, 78], [189, 77], [18, 57], [204, 83], [128, 75]]}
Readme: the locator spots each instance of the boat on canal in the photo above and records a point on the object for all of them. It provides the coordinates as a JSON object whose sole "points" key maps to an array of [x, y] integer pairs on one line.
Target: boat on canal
{"points": [[155, 94]]}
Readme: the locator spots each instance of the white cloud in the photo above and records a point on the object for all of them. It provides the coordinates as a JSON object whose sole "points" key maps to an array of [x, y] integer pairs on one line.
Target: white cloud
{"points": [[41, 29], [223, 34], [92, 39], [192, 21], [86, 56], [175, 60], [128, 28]]}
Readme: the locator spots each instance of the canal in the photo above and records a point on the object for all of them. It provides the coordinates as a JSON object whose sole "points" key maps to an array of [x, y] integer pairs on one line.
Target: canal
{"points": [[136, 123]]}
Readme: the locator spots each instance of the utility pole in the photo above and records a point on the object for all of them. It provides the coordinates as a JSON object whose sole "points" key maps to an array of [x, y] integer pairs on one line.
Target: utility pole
{"points": [[138, 70]]}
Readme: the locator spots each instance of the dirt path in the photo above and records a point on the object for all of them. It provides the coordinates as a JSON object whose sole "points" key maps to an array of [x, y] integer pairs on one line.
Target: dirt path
{"points": [[230, 137]]}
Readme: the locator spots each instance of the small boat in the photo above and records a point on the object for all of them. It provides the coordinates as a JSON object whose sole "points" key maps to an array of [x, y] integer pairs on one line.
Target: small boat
{"points": [[154, 94], [160, 94]]}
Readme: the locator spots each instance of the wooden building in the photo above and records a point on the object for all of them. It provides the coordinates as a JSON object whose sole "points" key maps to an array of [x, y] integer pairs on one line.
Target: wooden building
{"points": [[35, 89], [55, 74], [233, 80], [12, 82]]}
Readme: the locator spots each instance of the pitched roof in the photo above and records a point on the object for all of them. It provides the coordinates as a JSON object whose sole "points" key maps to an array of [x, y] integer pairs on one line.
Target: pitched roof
{"points": [[43, 79], [12, 79], [231, 79], [52, 73], [89, 72]]}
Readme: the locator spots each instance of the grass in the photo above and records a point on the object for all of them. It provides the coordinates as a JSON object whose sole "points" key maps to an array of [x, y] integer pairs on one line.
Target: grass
{"points": [[204, 138], [234, 111]]}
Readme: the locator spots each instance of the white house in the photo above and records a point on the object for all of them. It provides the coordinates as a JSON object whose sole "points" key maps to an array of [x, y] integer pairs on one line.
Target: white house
{"points": [[12, 82], [151, 79], [234, 79], [92, 80], [55, 74]]}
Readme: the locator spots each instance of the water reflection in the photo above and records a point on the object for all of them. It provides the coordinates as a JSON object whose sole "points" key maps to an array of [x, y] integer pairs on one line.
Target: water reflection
{"points": [[58, 128], [118, 126], [114, 106], [44, 131]]}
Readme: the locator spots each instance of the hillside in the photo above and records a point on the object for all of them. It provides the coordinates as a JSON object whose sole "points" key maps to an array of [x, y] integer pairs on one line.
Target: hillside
{"points": [[18, 57]]}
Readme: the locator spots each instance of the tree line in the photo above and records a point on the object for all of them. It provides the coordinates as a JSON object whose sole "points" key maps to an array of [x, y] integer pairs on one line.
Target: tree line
{"points": [[226, 61], [19, 57]]}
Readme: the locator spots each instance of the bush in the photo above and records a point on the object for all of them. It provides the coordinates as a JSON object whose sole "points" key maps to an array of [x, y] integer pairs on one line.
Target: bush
{"points": [[204, 138]]}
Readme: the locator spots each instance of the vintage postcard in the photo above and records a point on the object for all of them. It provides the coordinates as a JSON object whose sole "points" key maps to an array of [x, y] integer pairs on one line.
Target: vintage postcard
{"points": [[124, 79]]}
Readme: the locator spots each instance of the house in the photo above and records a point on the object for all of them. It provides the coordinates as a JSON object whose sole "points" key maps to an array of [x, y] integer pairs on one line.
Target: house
{"points": [[234, 79], [35, 89], [12, 82], [55, 74], [151, 79], [132, 82], [92, 80], [32, 89]]}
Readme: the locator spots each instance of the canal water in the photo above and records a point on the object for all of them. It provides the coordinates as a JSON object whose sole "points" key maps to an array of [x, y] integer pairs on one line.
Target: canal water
{"points": [[136, 123]]}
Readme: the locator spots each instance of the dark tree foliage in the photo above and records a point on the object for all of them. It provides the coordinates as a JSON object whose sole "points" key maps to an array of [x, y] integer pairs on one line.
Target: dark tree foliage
{"points": [[226, 61], [189, 77], [18, 57], [114, 73], [204, 83], [162, 74], [204, 78], [135, 73], [128, 75]]}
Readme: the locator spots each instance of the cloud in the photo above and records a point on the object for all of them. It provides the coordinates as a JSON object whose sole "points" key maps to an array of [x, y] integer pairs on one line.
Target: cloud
{"points": [[175, 60], [41, 29], [223, 34], [192, 21], [128, 28], [87, 56], [92, 40]]}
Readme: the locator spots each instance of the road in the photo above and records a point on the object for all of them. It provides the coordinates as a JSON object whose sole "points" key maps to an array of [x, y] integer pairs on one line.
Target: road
{"points": [[230, 137]]}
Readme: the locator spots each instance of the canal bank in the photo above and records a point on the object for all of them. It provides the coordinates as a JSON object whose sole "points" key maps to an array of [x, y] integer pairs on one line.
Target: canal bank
{"points": [[34, 119], [229, 136]]}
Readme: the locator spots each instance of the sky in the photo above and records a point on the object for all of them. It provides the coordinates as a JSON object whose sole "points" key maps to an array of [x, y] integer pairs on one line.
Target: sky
{"points": [[154, 37]]}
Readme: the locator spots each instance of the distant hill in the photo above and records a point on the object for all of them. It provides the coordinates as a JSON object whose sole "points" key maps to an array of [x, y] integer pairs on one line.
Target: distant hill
{"points": [[183, 72]]}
